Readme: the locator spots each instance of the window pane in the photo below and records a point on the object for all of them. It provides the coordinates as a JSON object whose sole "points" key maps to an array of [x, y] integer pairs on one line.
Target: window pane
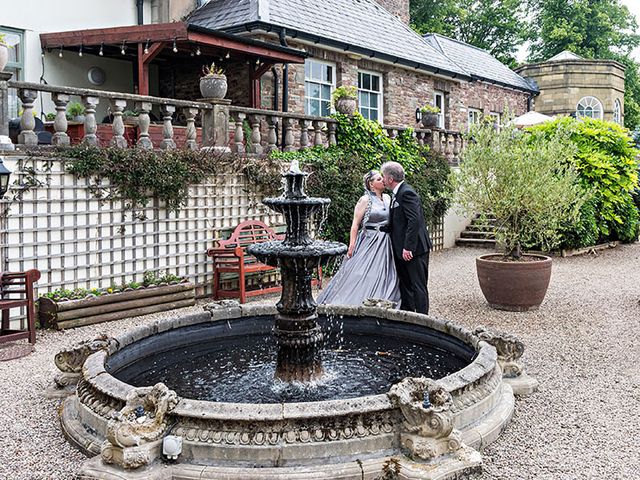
{"points": [[326, 92], [328, 74], [375, 83], [314, 107], [365, 99], [326, 109], [374, 115], [366, 81], [314, 90], [307, 69], [373, 100], [316, 71], [359, 80]]}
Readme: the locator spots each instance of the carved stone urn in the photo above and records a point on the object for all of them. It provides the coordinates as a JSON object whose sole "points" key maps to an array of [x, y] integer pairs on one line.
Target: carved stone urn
{"points": [[4, 56], [346, 105], [213, 86]]}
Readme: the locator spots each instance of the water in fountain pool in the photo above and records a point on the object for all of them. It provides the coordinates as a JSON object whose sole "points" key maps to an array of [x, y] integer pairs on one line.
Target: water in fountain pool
{"points": [[357, 360]]}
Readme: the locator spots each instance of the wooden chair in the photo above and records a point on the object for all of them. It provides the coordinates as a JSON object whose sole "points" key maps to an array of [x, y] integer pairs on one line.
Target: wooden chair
{"points": [[16, 290]]}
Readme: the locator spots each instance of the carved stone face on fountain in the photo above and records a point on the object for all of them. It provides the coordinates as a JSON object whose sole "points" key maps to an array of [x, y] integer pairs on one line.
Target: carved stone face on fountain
{"points": [[298, 256]]}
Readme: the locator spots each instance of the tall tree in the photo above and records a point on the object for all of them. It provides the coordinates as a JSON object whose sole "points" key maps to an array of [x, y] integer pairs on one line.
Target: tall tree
{"points": [[496, 26], [593, 29]]}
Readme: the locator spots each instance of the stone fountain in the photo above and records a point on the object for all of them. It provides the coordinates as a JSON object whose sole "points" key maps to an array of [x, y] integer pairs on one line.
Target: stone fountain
{"points": [[294, 391]]}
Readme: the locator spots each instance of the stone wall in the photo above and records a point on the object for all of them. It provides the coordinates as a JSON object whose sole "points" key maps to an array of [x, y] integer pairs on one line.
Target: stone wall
{"points": [[403, 90], [400, 8], [563, 83]]}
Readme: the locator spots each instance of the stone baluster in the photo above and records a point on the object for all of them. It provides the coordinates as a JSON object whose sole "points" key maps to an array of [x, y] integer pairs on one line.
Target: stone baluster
{"points": [[332, 134], [167, 127], [256, 136], [239, 132], [435, 140], [392, 133], [90, 126], [117, 126], [317, 129], [288, 134], [272, 137], [457, 144], [60, 124], [420, 138], [27, 135], [143, 125], [304, 134], [448, 153], [192, 134], [443, 143]]}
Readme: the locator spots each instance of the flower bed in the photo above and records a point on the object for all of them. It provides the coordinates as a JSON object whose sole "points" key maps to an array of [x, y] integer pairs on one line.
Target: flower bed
{"points": [[62, 313]]}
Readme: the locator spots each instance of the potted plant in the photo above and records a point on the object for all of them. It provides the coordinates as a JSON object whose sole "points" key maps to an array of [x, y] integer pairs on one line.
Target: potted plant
{"points": [[130, 117], [213, 83], [4, 52], [344, 99], [527, 185], [75, 112], [429, 116]]}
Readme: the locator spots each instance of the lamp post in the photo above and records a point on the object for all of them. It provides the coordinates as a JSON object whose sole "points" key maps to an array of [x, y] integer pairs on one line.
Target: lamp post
{"points": [[5, 173]]}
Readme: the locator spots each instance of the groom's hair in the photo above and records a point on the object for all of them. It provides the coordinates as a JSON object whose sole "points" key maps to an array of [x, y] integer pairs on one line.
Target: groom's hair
{"points": [[393, 170]]}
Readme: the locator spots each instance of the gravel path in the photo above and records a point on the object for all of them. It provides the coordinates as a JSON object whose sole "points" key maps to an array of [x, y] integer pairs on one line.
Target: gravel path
{"points": [[583, 345]]}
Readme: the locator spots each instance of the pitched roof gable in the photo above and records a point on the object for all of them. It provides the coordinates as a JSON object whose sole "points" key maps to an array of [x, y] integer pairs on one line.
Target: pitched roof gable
{"points": [[477, 62], [359, 26]]}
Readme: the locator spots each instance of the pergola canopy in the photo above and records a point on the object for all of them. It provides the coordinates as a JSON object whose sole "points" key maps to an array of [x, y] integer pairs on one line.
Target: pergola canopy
{"points": [[144, 43]]}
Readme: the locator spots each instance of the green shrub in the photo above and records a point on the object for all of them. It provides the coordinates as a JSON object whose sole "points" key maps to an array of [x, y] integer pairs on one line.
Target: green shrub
{"points": [[584, 232], [628, 230], [606, 162]]}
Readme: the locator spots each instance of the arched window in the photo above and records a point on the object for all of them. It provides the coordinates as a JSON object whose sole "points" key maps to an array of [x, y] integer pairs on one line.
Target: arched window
{"points": [[589, 107], [617, 112]]}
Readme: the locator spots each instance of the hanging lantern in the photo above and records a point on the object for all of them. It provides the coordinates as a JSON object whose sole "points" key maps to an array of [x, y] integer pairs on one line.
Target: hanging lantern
{"points": [[5, 173]]}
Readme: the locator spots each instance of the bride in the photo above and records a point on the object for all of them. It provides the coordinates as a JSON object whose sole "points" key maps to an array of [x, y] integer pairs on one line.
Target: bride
{"points": [[368, 270]]}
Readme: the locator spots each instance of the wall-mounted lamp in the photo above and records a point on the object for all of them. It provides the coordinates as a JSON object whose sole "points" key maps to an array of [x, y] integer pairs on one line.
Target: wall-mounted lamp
{"points": [[5, 173], [146, 47], [80, 51], [175, 46], [101, 52], [123, 49], [60, 52]]}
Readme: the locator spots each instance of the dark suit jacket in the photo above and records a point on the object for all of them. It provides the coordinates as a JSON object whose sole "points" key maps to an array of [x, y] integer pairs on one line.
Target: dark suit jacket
{"points": [[406, 223]]}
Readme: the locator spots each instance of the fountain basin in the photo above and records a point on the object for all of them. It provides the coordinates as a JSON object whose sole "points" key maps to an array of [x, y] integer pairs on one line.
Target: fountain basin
{"points": [[230, 440]]}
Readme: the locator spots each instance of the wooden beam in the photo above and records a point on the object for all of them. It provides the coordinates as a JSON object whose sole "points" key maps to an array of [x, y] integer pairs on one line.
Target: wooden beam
{"points": [[116, 35], [240, 47], [262, 69], [144, 59]]}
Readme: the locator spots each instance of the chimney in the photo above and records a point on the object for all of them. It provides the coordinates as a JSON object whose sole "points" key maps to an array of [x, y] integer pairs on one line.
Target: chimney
{"points": [[399, 8]]}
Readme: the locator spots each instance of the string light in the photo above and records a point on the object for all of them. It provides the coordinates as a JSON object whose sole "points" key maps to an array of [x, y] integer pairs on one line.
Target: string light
{"points": [[101, 52], [42, 52], [227, 55], [123, 48], [175, 47], [146, 47], [60, 53], [80, 51], [198, 51]]}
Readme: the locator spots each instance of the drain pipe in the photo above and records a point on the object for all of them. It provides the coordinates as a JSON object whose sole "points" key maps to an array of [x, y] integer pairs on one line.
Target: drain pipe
{"points": [[139, 6], [276, 87], [285, 79]]}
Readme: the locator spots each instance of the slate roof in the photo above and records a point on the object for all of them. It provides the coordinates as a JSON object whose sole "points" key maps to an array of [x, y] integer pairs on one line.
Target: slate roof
{"points": [[359, 26], [477, 62]]}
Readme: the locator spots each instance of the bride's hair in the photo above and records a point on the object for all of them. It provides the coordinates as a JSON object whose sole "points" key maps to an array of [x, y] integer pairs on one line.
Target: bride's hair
{"points": [[367, 179]]}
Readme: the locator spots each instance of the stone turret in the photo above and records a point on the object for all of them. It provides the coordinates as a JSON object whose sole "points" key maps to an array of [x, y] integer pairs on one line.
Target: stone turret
{"points": [[400, 8]]}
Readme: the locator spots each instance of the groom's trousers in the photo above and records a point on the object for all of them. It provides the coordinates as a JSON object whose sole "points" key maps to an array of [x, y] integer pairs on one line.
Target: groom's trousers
{"points": [[413, 276]]}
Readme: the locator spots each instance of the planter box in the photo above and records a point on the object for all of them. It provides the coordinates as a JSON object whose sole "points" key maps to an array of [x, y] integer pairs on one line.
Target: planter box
{"points": [[88, 311]]}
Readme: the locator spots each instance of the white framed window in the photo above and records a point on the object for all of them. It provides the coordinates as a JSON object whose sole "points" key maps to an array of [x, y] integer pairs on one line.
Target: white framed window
{"points": [[589, 107], [319, 82], [473, 116], [438, 101], [15, 65], [495, 118], [617, 111], [370, 95]]}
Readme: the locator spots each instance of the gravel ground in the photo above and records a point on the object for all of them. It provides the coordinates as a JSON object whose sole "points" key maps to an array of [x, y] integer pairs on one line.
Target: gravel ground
{"points": [[582, 345]]}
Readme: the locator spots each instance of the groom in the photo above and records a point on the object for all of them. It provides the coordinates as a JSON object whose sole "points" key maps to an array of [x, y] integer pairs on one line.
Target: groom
{"points": [[409, 238]]}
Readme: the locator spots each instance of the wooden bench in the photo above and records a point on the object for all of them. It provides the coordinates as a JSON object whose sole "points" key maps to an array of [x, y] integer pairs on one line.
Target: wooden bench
{"points": [[16, 291], [230, 257]]}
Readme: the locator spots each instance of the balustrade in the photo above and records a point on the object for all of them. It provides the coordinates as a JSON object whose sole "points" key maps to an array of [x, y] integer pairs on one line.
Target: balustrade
{"points": [[446, 142]]}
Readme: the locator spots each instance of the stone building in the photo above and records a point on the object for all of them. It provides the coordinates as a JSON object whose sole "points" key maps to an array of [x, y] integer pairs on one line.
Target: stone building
{"points": [[572, 85], [367, 44]]}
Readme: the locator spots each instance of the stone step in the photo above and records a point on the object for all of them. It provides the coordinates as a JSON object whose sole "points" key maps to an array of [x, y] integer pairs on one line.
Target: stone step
{"points": [[477, 234], [475, 242], [480, 228], [483, 221]]}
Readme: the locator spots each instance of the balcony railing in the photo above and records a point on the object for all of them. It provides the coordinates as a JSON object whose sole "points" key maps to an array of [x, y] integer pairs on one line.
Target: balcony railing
{"points": [[214, 123]]}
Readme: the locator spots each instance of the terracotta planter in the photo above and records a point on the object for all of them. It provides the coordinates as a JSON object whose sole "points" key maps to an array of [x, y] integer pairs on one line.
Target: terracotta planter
{"points": [[4, 57], [346, 106], [514, 286], [213, 86], [429, 120]]}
